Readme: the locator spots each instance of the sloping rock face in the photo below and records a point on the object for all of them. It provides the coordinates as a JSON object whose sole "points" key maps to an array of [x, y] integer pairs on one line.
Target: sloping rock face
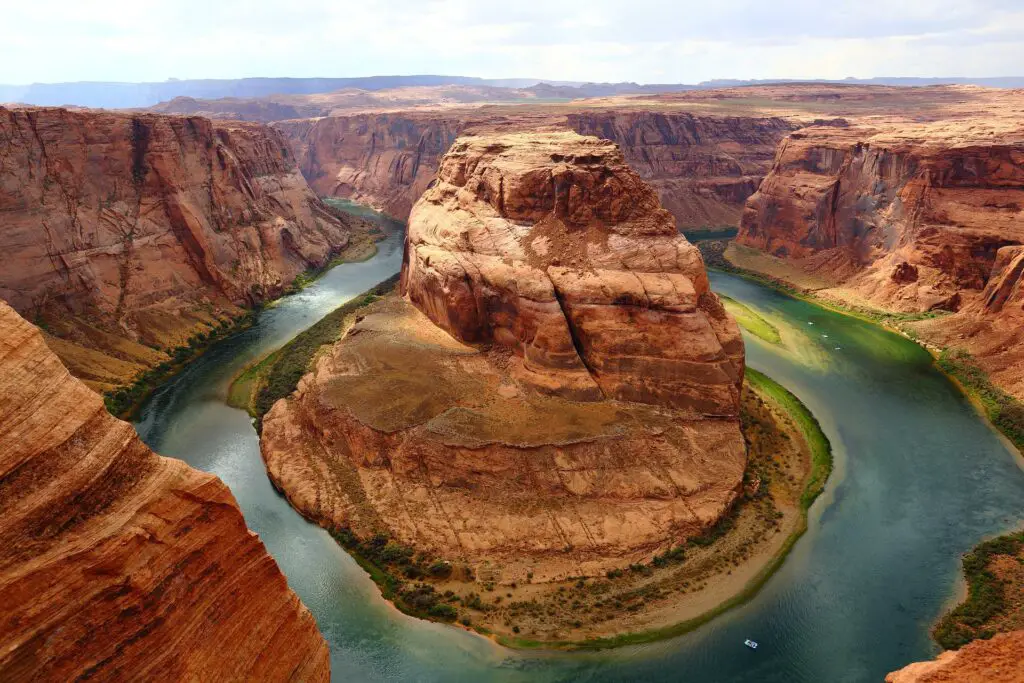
{"points": [[558, 393], [702, 167], [999, 660], [118, 564], [147, 227], [384, 160], [909, 219], [915, 222], [551, 245]]}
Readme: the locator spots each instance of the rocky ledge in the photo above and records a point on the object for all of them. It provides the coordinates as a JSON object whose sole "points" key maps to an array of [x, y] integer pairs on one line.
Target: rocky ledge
{"points": [[118, 564], [984, 661], [556, 395]]}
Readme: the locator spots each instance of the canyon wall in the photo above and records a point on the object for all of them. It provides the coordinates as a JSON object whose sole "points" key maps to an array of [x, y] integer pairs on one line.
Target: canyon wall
{"points": [[118, 564], [703, 167], [911, 219], [558, 393], [125, 234]]}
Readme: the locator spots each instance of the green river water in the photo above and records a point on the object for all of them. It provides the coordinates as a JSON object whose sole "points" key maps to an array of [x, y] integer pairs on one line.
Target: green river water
{"points": [[919, 479]]}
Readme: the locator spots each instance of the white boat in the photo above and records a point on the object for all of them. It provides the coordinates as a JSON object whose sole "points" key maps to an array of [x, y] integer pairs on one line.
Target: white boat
{"points": [[750, 643]]}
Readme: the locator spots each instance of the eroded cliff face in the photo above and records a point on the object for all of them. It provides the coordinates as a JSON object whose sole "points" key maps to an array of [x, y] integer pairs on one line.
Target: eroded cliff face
{"points": [[912, 222], [703, 167], [913, 218], [551, 245], [124, 232], [118, 564], [384, 160], [558, 394], [998, 660]]}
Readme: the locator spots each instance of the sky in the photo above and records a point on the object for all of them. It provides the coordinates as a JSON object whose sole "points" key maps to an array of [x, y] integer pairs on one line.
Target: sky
{"points": [[646, 41]]}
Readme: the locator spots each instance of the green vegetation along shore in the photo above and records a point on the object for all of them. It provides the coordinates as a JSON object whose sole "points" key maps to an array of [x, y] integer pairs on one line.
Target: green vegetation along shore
{"points": [[814, 485], [751, 320], [994, 571], [125, 402], [275, 376], [1003, 411]]}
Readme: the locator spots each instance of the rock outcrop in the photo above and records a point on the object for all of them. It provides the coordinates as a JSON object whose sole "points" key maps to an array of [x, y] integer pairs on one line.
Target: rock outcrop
{"points": [[703, 167], [999, 660], [122, 233], [909, 218], [551, 245], [118, 564], [558, 394]]}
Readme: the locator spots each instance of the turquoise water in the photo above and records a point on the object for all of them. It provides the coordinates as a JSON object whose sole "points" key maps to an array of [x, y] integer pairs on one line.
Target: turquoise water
{"points": [[919, 479]]}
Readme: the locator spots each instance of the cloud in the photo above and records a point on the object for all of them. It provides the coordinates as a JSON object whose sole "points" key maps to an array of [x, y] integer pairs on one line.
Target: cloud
{"points": [[605, 40]]}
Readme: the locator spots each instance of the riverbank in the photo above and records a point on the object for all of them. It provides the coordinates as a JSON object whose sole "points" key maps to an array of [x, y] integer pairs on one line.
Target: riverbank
{"points": [[260, 384], [662, 593], [126, 401], [994, 572], [1001, 410]]}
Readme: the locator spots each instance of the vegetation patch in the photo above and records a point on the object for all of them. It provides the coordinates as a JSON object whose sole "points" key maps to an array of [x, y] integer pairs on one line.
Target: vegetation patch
{"points": [[405, 576], [751, 320], [125, 402], [989, 608], [276, 376], [1002, 409]]}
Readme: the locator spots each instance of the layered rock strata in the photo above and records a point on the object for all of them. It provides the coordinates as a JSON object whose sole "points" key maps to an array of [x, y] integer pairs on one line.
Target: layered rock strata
{"points": [[118, 564], [128, 233], [558, 393], [703, 167], [911, 219]]}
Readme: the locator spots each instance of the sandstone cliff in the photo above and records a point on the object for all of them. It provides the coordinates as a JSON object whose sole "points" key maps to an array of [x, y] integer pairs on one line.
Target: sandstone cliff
{"points": [[118, 564], [999, 660], [703, 167], [557, 396], [123, 234], [908, 218]]}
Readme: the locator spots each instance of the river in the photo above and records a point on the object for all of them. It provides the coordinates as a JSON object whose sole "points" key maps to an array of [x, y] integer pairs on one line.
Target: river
{"points": [[919, 479]]}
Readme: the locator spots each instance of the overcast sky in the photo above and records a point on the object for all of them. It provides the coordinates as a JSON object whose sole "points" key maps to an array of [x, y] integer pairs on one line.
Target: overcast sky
{"points": [[647, 41]]}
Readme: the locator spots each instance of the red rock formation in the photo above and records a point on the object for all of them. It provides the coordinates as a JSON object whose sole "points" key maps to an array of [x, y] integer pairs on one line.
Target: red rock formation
{"points": [[146, 226], [910, 218], [592, 420], [999, 660], [117, 564], [703, 167], [384, 160], [552, 245]]}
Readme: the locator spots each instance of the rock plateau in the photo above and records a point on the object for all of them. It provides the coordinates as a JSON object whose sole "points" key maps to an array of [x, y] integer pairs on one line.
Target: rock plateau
{"points": [[118, 564], [556, 395]]}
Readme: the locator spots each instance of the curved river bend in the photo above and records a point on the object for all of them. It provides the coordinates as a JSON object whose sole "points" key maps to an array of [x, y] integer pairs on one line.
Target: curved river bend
{"points": [[919, 479]]}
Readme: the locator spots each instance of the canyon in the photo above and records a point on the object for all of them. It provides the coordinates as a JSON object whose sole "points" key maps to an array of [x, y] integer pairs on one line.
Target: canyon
{"points": [[556, 395], [118, 564], [126, 235], [703, 167], [911, 219]]}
